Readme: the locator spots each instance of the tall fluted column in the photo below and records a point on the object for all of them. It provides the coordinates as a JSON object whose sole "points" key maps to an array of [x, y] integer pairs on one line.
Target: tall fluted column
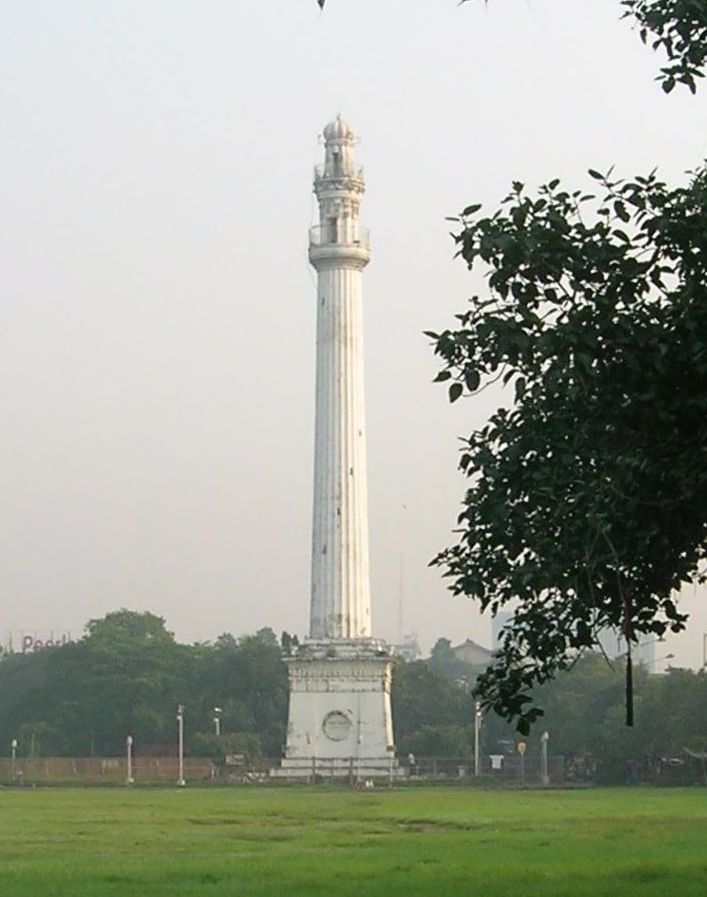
{"points": [[341, 602], [339, 717]]}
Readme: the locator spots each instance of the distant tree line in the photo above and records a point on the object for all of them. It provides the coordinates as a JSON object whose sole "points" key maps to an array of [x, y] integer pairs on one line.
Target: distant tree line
{"points": [[128, 674]]}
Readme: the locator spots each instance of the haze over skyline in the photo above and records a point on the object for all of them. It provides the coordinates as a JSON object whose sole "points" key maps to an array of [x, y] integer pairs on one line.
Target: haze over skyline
{"points": [[157, 307]]}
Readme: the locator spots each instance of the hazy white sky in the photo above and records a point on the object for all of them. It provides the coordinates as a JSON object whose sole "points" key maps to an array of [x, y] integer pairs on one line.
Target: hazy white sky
{"points": [[157, 308]]}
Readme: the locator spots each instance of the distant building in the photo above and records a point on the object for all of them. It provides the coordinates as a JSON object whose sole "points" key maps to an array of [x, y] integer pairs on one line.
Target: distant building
{"points": [[472, 653], [409, 649], [614, 646], [612, 642]]}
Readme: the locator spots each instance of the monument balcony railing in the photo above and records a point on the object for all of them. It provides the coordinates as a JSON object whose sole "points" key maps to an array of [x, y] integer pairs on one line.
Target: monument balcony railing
{"points": [[353, 235], [355, 172]]}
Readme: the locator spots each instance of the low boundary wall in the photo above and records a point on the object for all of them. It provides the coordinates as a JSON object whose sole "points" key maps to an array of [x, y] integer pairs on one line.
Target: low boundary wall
{"points": [[103, 770], [199, 770]]}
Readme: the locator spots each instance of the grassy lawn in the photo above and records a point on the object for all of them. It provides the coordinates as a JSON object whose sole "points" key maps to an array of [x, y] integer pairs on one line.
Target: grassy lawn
{"points": [[303, 842]]}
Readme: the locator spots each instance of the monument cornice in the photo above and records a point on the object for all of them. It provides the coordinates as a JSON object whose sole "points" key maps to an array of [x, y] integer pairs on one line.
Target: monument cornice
{"points": [[339, 255]]}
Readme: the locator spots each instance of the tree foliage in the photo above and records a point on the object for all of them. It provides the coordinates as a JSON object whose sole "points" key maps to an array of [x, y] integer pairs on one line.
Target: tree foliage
{"points": [[76, 700], [679, 28], [127, 676], [587, 502], [444, 661], [426, 701], [584, 716]]}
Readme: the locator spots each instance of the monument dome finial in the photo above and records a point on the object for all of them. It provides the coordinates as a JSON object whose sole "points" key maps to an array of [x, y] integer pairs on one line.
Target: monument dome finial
{"points": [[339, 129]]}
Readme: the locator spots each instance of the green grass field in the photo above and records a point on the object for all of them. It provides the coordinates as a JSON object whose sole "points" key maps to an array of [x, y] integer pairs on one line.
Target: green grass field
{"points": [[303, 842]]}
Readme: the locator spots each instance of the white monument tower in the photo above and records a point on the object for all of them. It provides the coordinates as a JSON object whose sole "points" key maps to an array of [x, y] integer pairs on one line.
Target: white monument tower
{"points": [[339, 713]]}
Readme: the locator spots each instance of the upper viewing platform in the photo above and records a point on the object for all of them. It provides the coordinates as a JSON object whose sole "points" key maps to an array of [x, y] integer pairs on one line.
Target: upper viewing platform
{"points": [[338, 240], [337, 170], [339, 243], [340, 172]]}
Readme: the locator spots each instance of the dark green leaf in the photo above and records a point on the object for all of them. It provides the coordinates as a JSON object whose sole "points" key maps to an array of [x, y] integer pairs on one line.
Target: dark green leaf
{"points": [[455, 390], [472, 379]]}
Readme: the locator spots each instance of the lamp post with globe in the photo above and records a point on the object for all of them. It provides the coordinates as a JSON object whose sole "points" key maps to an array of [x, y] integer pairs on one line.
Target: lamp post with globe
{"points": [[521, 748], [180, 735], [544, 777], [477, 738], [129, 741]]}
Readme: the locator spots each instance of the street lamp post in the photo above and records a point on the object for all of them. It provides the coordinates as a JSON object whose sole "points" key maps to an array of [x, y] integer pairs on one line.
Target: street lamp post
{"points": [[477, 739], [180, 730], [521, 751], [217, 721], [544, 777], [129, 741], [13, 747]]}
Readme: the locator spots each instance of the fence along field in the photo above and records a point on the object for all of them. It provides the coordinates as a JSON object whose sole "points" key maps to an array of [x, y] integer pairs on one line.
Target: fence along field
{"points": [[102, 770], [237, 769]]}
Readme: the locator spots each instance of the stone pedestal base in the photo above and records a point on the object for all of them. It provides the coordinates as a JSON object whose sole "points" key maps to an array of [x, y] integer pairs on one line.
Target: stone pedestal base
{"points": [[339, 721]]}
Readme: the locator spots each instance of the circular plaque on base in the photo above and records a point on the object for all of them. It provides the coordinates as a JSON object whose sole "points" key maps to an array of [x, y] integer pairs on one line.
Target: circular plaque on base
{"points": [[336, 726]]}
